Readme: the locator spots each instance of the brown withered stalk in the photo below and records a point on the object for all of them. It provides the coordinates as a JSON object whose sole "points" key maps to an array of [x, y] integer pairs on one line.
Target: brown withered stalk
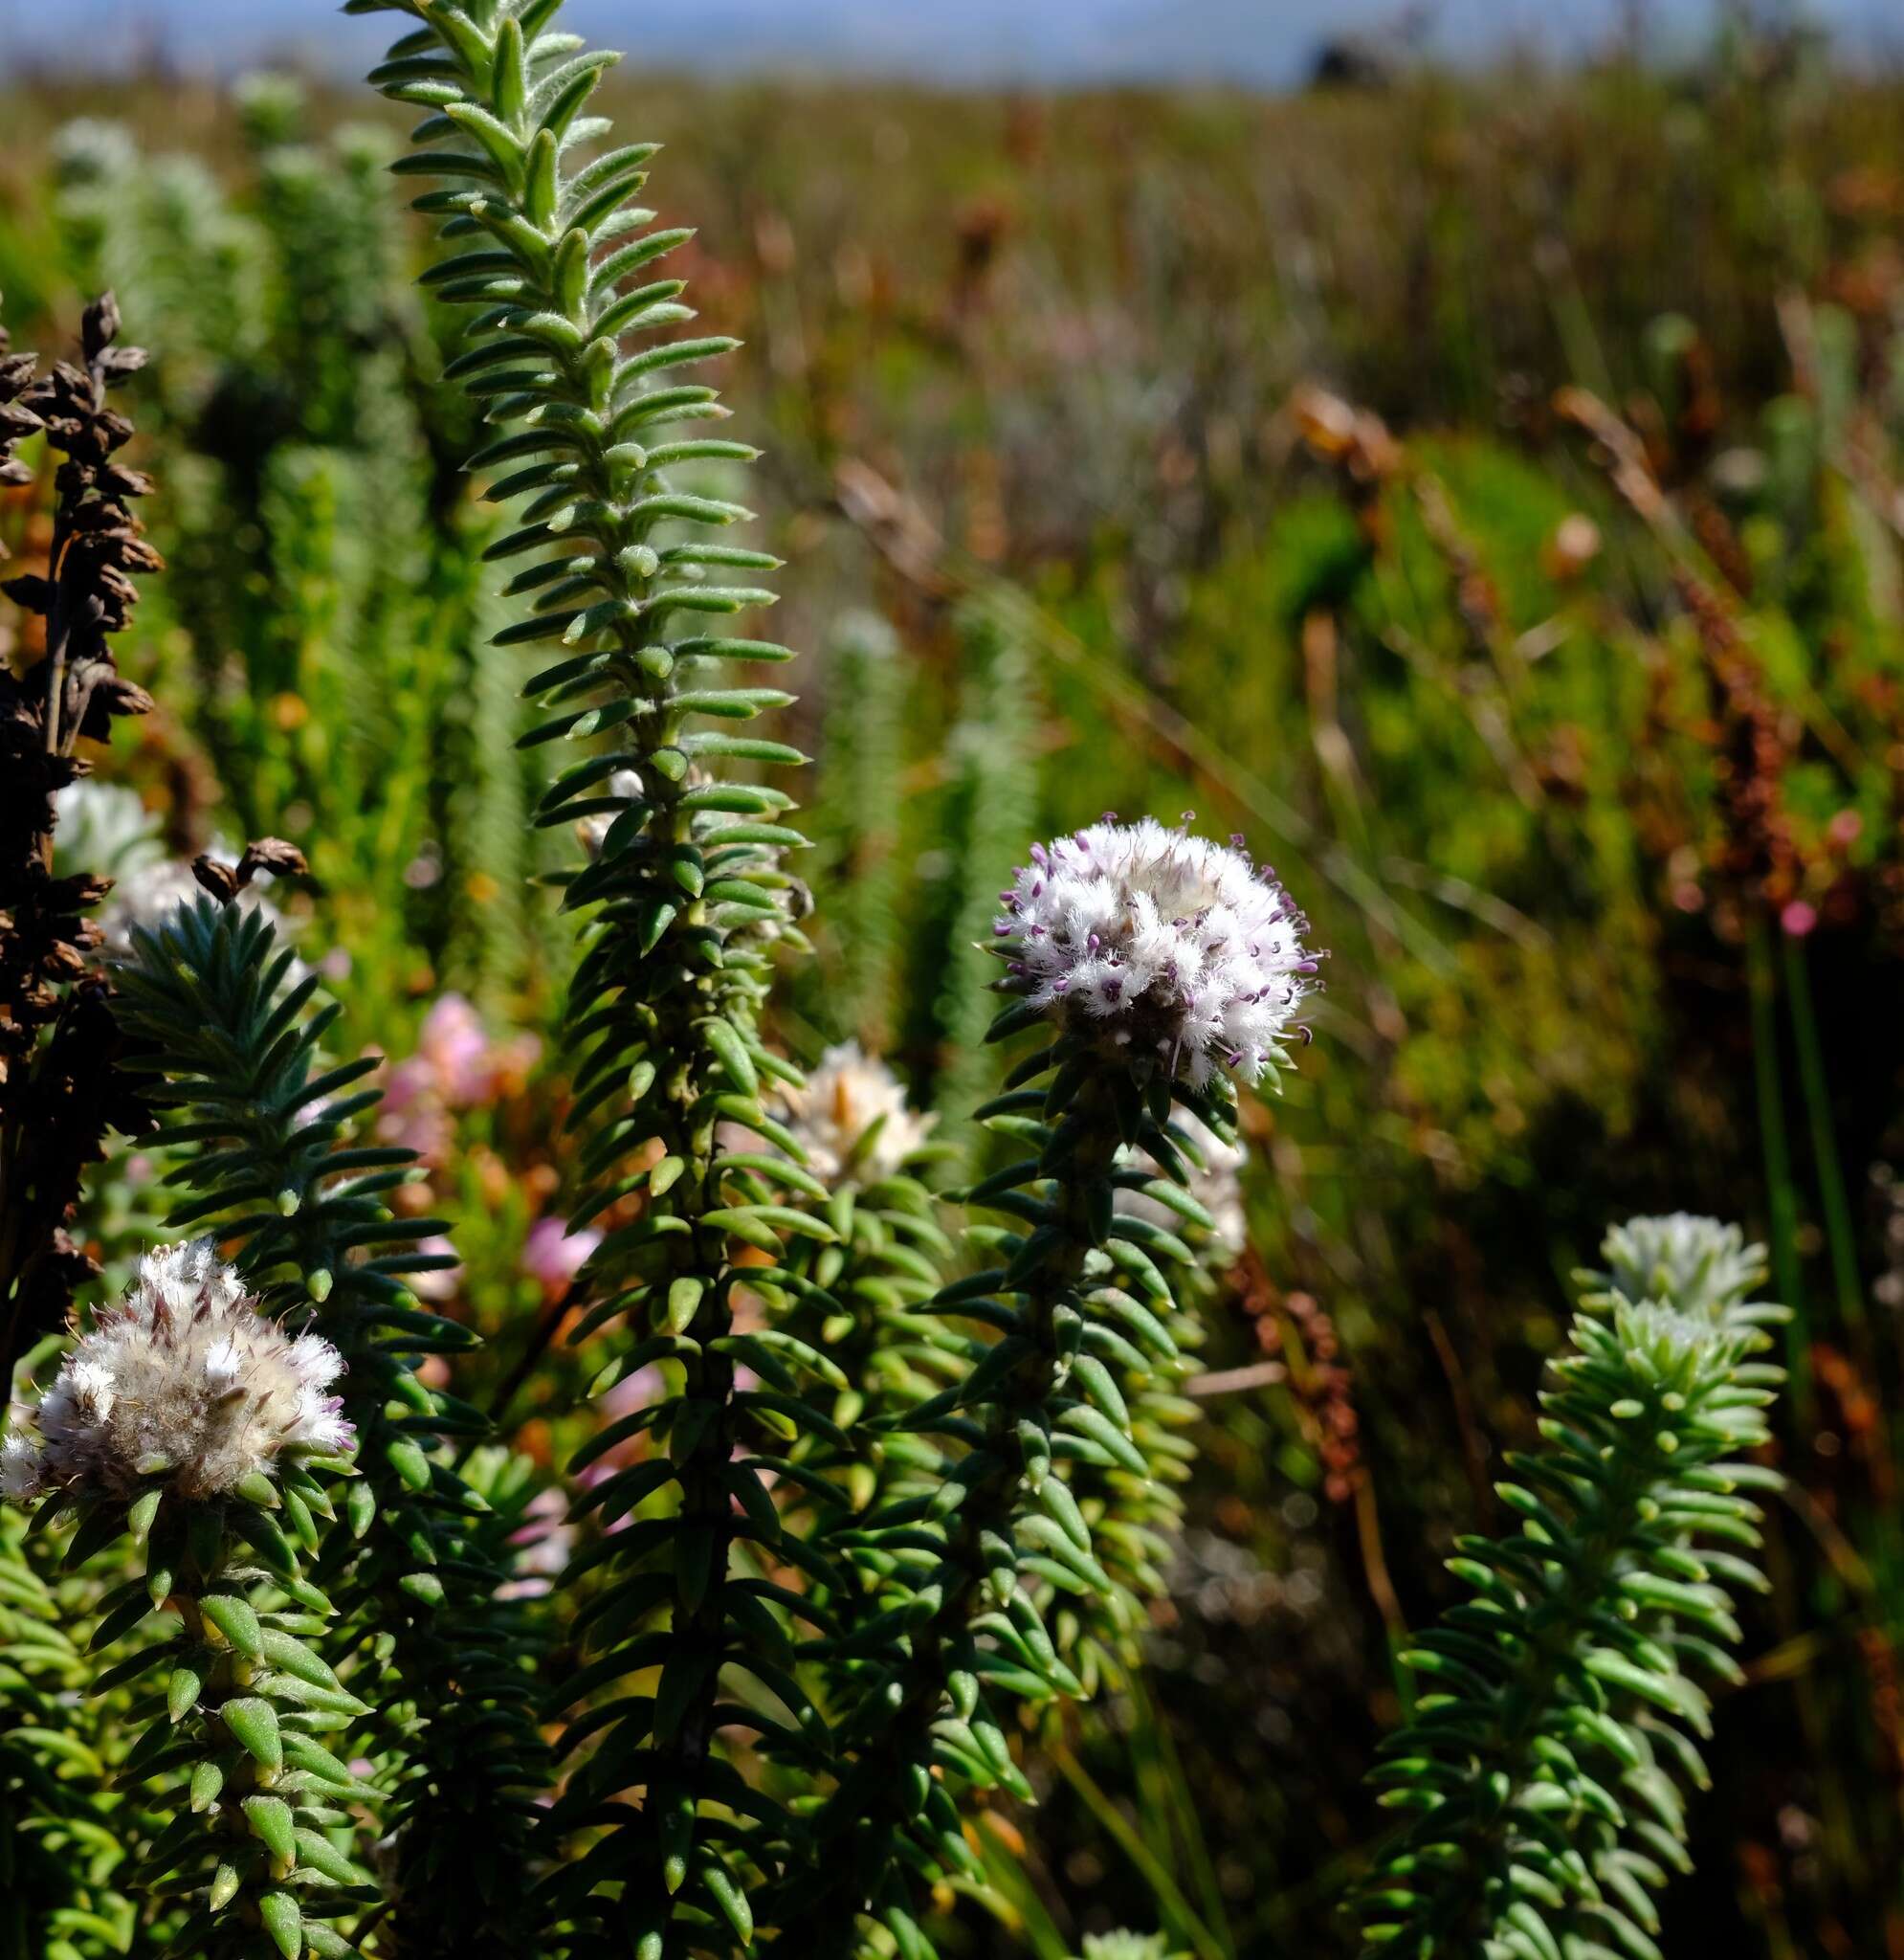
{"points": [[61, 1090]]}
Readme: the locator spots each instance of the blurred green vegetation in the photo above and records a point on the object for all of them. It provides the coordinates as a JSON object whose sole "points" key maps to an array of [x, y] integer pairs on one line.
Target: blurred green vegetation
{"points": [[1243, 428]]}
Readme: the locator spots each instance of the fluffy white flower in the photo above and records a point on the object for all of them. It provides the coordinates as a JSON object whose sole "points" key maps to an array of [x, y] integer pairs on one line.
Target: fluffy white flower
{"points": [[1216, 1186], [1162, 942], [843, 1098], [19, 1466], [185, 1377]]}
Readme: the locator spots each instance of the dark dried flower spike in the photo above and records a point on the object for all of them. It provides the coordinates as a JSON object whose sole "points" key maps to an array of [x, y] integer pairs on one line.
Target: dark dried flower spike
{"points": [[59, 1088], [17, 417]]}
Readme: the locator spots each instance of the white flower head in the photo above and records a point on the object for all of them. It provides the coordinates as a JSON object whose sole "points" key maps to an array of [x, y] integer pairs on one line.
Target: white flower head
{"points": [[1216, 1185], [186, 1379], [1162, 942], [841, 1101]]}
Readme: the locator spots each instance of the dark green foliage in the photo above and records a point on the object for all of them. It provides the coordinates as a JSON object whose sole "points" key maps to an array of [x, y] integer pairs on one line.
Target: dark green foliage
{"points": [[1137, 1516], [1544, 1763], [415, 1562], [59, 1852], [238, 1712], [687, 901], [867, 1311], [986, 1533]]}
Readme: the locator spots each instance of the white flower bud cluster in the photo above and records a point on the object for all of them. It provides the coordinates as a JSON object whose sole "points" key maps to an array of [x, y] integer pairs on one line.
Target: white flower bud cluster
{"points": [[1162, 942], [185, 1380], [843, 1098], [1695, 1265]]}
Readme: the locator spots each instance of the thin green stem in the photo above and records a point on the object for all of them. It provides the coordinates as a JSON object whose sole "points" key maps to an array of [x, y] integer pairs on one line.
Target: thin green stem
{"points": [[1840, 1233], [1167, 1769], [1782, 1196], [1179, 1917]]}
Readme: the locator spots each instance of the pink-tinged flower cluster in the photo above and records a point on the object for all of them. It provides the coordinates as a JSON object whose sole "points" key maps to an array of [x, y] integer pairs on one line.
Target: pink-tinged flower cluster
{"points": [[1162, 942], [834, 1113], [456, 1067], [540, 1548], [185, 1380], [440, 1284], [553, 1255]]}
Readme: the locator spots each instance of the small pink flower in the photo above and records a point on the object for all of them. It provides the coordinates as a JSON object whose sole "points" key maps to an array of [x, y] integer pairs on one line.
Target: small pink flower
{"points": [[633, 1392], [446, 1281], [405, 1085], [454, 1045], [1798, 919], [542, 1547], [554, 1254]]}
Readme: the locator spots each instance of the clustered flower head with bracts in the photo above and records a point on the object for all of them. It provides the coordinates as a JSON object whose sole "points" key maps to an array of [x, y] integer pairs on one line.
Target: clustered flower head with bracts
{"points": [[842, 1099], [1162, 942], [185, 1380]]}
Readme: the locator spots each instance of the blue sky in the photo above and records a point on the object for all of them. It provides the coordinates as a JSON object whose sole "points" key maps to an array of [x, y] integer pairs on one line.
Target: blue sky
{"points": [[1259, 41]]}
